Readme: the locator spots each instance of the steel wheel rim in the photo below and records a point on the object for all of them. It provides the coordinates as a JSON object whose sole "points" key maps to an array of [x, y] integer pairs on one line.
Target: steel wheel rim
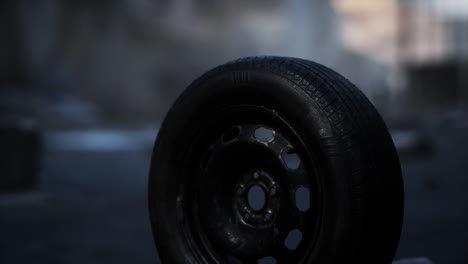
{"points": [[225, 164]]}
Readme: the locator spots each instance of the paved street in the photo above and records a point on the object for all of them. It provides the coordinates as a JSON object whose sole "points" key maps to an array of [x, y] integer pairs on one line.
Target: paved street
{"points": [[91, 206], [436, 190]]}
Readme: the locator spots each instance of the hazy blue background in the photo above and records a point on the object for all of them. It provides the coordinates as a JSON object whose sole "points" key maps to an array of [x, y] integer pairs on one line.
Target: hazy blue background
{"points": [[92, 81]]}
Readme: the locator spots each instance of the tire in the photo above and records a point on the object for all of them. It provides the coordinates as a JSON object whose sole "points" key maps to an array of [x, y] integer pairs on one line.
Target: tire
{"points": [[323, 165]]}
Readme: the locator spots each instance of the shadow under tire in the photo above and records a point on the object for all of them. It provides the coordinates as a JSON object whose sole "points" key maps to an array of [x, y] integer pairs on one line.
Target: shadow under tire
{"points": [[274, 160]]}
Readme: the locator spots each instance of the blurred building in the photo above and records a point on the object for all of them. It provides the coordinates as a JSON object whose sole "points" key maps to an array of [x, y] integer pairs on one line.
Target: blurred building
{"points": [[127, 60], [424, 43]]}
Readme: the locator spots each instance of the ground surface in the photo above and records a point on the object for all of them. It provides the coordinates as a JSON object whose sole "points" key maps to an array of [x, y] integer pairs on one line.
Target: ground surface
{"points": [[91, 206]]}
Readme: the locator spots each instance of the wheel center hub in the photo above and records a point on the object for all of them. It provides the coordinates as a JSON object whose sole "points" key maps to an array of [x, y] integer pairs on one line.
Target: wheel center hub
{"points": [[256, 199]]}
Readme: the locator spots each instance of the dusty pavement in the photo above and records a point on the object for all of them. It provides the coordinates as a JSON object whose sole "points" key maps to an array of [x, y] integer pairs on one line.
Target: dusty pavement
{"points": [[436, 189], [91, 206]]}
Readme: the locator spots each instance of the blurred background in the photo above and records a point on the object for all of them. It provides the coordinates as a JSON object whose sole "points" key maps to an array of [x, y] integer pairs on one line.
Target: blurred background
{"points": [[85, 84]]}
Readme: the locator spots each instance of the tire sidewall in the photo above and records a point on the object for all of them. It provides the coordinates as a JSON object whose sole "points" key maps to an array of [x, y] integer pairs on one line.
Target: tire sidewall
{"points": [[339, 225]]}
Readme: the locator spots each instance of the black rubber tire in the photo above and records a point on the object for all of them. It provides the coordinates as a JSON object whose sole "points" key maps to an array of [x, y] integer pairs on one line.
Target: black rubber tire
{"points": [[362, 186]]}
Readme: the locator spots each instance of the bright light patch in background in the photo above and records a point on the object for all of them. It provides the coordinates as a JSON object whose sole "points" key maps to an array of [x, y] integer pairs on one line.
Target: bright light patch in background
{"points": [[401, 31], [99, 140], [369, 27], [451, 9]]}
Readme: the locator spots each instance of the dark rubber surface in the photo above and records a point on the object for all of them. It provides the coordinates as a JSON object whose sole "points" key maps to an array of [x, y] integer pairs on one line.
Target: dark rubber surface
{"points": [[362, 183]]}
